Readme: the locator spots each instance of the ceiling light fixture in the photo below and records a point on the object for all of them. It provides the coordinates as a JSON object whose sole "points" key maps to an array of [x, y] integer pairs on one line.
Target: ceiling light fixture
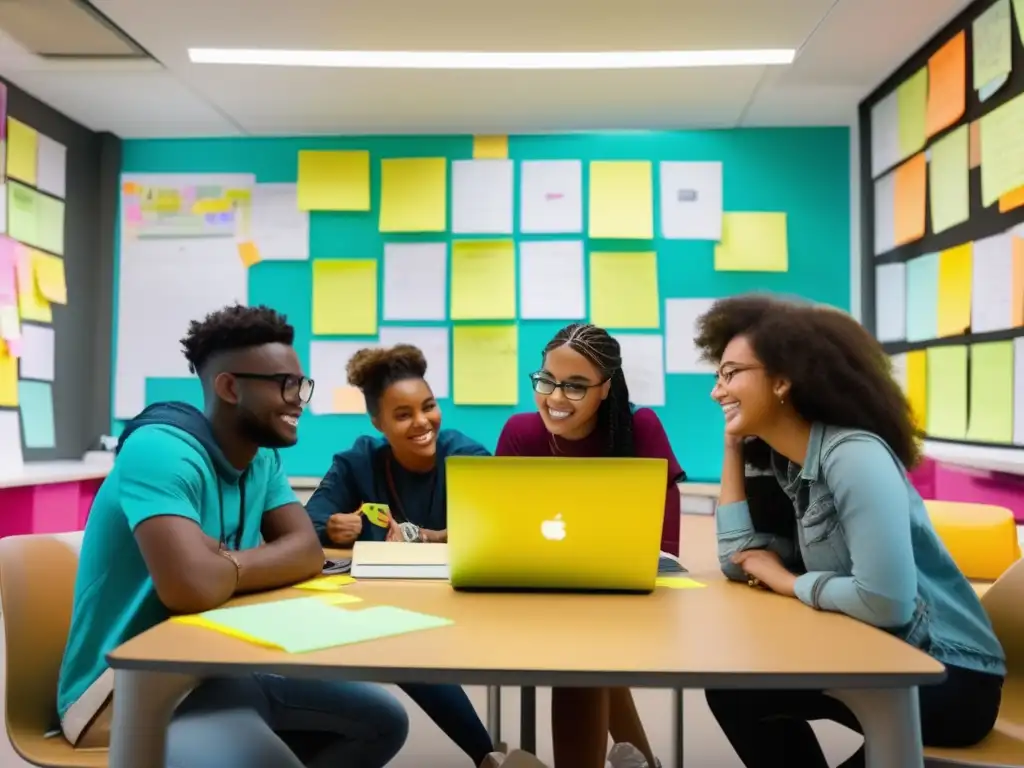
{"points": [[491, 60]]}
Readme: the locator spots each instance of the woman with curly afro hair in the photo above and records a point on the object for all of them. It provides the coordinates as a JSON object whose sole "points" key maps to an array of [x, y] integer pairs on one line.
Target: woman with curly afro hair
{"points": [[808, 395]]}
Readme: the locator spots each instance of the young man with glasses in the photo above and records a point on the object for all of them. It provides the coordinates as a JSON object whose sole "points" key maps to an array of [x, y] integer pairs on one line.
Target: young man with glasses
{"points": [[197, 509]]}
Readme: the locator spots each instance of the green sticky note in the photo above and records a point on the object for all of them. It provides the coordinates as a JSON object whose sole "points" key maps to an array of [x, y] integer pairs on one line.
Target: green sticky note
{"points": [[912, 107], [991, 408], [948, 185], [310, 624], [36, 401], [947, 392]]}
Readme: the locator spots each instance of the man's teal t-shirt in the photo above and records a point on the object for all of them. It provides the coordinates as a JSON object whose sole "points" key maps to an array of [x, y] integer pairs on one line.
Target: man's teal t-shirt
{"points": [[161, 470]]}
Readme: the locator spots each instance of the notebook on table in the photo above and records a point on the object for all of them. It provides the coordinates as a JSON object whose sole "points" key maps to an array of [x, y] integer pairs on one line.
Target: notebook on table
{"points": [[399, 560]]}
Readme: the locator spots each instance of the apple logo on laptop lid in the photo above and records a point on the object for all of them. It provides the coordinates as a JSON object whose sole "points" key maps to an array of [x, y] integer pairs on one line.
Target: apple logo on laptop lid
{"points": [[553, 530]]}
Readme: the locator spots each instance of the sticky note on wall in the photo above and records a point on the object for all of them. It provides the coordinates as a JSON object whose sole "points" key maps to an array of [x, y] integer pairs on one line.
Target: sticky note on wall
{"points": [[483, 280], [991, 407], [911, 181], [490, 147], [624, 290], [954, 306], [414, 194], [334, 180], [916, 374], [753, 242], [947, 84], [22, 151], [912, 101], [947, 392], [345, 297], [621, 200], [485, 364]]}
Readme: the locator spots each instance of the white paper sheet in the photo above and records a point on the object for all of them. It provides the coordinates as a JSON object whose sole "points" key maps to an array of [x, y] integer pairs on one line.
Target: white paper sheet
{"points": [[37, 352], [482, 197], [643, 364], [691, 201], [434, 344], [551, 284], [551, 199], [899, 370], [51, 166], [891, 302], [415, 281], [885, 134], [885, 214], [1018, 390], [279, 229], [328, 363], [992, 284], [11, 459], [164, 285], [681, 356]]}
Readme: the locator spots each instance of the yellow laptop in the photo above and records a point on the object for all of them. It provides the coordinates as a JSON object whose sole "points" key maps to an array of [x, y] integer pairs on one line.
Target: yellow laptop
{"points": [[555, 523]]}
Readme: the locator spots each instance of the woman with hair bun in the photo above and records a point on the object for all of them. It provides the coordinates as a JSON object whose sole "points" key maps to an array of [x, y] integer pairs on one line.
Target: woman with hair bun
{"points": [[403, 469]]}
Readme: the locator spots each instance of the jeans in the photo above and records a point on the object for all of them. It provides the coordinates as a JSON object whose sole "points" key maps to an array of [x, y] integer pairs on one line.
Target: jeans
{"points": [[452, 711], [269, 721], [771, 727]]}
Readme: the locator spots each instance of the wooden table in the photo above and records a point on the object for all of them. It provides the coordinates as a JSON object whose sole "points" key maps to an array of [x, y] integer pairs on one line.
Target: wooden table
{"points": [[723, 636]]}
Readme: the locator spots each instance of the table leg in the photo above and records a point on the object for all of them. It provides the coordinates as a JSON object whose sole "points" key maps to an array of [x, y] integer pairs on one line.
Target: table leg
{"points": [[891, 721], [527, 719], [677, 727], [494, 714], [143, 705]]}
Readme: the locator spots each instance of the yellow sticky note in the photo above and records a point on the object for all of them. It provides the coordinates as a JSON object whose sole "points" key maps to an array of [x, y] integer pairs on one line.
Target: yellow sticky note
{"points": [[954, 305], [483, 280], [990, 417], [947, 392], [197, 620], [32, 305], [51, 282], [414, 194], [22, 151], [172, 204], [249, 253], [345, 297], [485, 364], [1002, 151], [348, 400], [334, 180], [327, 583], [8, 377], [753, 242], [912, 111], [949, 188], [490, 147], [678, 582], [624, 290], [917, 386], [621, 200]]}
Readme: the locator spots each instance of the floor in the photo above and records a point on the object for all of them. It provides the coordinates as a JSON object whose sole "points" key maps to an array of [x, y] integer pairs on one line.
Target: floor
{"points": [[705, 747]]}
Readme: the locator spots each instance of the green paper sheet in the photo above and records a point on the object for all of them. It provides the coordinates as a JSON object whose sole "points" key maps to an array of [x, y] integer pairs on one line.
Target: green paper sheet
{"points": [[36, 401], [310, 624], [947, 392], [991, 412]]}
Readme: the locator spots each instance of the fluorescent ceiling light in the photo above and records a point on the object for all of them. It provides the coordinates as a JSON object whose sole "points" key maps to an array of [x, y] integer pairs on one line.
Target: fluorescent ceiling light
{"points": [[490, 60]]}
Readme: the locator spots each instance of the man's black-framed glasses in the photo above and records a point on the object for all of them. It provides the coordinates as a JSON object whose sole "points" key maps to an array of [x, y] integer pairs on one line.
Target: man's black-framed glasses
{"points": [[573, 390], [297, 390]]}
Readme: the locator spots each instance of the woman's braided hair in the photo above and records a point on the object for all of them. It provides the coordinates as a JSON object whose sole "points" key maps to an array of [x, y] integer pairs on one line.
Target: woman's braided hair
{"points": [[615, 416]]}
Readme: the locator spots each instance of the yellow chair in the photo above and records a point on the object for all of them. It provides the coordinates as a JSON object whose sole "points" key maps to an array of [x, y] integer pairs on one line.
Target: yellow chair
{"points": [[981, 538], [37, 579], [1005, 745]]}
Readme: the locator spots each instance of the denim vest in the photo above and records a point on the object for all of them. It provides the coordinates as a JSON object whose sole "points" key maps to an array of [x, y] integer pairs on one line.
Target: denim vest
{"points": [[948, 621]]}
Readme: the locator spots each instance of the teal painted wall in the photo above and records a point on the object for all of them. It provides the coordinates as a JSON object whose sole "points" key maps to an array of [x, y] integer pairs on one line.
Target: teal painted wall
{"points": [[802, 171]]}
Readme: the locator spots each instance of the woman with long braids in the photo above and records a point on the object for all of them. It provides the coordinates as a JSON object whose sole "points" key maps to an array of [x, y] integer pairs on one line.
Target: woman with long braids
{"points": [[583, 410]]}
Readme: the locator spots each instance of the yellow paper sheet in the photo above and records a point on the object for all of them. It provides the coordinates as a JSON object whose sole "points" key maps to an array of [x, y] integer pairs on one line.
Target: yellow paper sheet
{"points": [[991, 43], [624, 290], [199, 621], [490, 147], [753, 242], [22, 151], [348, 400], [327, 583], [51, 282], [170, 203], [917, 386], [912, 106], [678, 582], [334, 180], [485, 364], [949, 188], [32, 305], [954, 306], [621, 200], [991, 406], [1002, 150], [344, 297], [249, 253], [8, 378], [483, 280], [947, 392], [414, 194]]}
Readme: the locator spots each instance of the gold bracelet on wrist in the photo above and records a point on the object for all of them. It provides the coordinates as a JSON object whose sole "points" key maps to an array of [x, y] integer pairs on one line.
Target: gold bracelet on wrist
{"points": [[229, 555]]}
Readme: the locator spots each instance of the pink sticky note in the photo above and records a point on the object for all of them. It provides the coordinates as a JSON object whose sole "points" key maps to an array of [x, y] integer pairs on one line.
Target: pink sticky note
{"points": [[133, 213], [8, 285]]}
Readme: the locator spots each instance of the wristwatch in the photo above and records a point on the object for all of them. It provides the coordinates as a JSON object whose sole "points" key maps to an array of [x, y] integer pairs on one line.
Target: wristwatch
{"points": [[410, 532]]}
